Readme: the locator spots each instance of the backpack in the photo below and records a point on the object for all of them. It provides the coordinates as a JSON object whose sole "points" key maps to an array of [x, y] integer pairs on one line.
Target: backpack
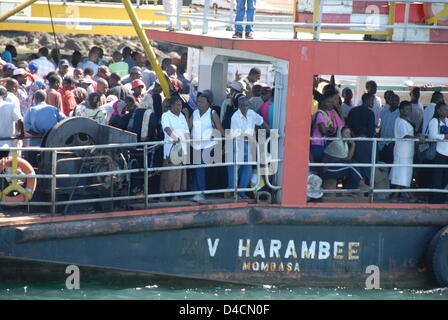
{"points": [[313, 121], [226, 122]]}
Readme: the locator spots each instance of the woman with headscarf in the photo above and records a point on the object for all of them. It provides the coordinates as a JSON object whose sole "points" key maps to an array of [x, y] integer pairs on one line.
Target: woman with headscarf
{"points": [[117, 114], [26, 103], [108, 106]]}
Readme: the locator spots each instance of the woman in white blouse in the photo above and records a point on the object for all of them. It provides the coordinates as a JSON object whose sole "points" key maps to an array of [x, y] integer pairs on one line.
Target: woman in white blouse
{"points": [[175, 129], [438, 129], [203, 123], [403, 151]]}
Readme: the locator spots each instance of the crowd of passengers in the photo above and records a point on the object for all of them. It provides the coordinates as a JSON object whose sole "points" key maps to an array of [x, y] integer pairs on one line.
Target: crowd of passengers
{"points": [[337, 115], [124, 92]]}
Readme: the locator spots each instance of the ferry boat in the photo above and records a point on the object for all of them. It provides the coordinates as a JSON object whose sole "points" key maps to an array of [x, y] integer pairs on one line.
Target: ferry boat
{"points": [[282, 239]]}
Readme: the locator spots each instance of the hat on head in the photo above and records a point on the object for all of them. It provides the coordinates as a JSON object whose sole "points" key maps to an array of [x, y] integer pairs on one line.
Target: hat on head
{"points": [[104, 69], [235, 85], [9, 66], [64, 63], [137, 83], [32, 66], [19, 72], [111, 98]]}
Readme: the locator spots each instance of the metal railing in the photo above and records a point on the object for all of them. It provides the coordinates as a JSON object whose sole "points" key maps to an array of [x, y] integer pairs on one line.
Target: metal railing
{"points": [[146, 170], [374, 164], [317, 27]]}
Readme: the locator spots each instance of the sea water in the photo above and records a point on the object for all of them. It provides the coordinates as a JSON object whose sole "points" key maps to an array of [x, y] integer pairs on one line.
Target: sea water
{"points": [[153, 291]]}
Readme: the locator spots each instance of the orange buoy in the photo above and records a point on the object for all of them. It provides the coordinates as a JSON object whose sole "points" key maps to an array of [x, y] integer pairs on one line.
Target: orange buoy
{"points": [[30, 185]]}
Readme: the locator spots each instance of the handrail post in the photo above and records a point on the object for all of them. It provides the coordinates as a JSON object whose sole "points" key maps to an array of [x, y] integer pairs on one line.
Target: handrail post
{"points": [[204, 20], [295, 11], [372, 172], [235, 169], [145, 186], [391, 20], [319, 19], [231, 15], [112, 191], [53, 181], [406, 19], [178, 13]]}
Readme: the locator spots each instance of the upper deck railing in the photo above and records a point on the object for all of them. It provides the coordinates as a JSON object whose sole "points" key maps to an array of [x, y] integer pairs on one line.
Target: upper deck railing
{"points": [[318, 17], [371, 26]]}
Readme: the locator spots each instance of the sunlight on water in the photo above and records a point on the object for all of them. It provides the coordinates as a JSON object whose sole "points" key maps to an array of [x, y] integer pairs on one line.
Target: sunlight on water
{"points": [[225, 292]]}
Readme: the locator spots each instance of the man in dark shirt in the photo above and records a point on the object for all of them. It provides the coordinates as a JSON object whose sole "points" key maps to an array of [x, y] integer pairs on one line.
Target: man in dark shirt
{"points": [[361, 119], [116, 88]]}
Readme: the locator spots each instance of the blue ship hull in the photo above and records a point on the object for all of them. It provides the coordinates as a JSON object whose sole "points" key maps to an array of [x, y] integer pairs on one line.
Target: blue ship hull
{"points": [[257, 245]]}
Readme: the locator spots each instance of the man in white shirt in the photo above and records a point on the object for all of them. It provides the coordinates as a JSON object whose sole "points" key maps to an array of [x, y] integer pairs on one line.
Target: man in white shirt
{"points": [[10, 119], [243, 124], [12, 86], [44, 65], [252, 78], [428, 113]]}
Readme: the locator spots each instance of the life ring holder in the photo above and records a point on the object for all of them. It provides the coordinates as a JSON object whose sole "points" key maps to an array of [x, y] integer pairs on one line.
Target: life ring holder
{"points": [[437, 257], [25, 193]]}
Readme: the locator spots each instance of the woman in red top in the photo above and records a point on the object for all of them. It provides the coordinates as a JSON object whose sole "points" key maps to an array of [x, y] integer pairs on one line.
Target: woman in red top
{"points": [[54, 98], [68, 98]]}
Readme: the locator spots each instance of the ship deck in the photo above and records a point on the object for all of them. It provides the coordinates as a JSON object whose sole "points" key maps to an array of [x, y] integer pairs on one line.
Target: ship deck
{"points": [[15, 216]]}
